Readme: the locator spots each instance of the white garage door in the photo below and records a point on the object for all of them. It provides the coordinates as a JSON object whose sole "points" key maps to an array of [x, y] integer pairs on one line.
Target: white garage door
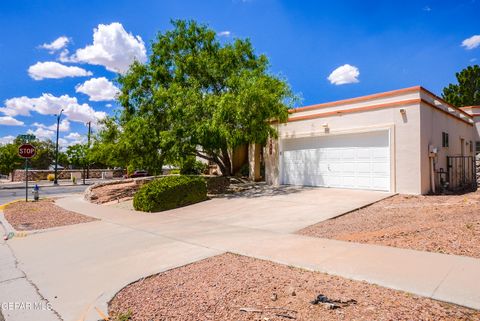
{"points": [[347, 161]]}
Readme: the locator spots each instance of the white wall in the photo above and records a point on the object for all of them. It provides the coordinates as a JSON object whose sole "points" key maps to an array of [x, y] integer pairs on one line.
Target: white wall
{"points": [[435, 122], [405, 140], [413, 125]]}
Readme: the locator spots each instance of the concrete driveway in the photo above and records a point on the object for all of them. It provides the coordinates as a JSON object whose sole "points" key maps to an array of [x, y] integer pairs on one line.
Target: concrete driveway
{"points": [[79, 267]]}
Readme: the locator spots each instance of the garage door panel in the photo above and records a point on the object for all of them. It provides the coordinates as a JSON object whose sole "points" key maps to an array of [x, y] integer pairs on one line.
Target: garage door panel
{"points": [[381, 169], [351, 161], [335, 168], [363, 153], [364, 182], [349, 168], [363, 168], [380, 183], [380, 153], [322, 167]]}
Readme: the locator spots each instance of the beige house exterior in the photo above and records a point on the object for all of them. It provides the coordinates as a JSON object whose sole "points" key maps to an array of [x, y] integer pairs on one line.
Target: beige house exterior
{"points": [[396, 141]]}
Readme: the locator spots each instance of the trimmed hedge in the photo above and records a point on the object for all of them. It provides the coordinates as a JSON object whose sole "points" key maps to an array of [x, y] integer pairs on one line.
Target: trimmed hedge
{"points": [[170, 192]]}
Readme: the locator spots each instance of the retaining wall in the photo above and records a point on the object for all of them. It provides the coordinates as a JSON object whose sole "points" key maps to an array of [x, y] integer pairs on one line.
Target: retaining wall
{"points": [[34, 175]]}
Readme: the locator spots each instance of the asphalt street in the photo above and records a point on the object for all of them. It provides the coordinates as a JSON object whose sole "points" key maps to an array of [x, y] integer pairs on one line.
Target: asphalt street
{"points": [[8, 195]]}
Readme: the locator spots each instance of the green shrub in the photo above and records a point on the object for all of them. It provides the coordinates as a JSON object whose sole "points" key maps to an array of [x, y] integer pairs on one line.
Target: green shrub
{"points": [[245, 170], [175, 171], [170, 192], [190, 166]]}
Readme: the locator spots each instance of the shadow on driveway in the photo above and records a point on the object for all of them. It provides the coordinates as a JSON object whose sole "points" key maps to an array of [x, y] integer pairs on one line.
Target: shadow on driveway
{"points": [[254, 190]]}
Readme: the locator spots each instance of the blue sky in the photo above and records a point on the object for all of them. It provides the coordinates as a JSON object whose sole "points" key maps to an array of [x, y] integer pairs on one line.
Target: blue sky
{"points": [[378, 45]]}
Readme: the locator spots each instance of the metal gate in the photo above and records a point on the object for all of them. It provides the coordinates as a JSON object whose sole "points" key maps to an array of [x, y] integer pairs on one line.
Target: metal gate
{"points": [[461, 173]]}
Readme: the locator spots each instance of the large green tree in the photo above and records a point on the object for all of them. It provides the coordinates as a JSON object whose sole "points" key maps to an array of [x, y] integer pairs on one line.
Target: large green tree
{"points": [[9, 159], [197, 96], [77, 155], [45, 155], [467, 91], [110, 146]]}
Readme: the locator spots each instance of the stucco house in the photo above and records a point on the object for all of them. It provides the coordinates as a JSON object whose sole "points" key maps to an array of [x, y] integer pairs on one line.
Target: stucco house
{"points": [[404, 141]]}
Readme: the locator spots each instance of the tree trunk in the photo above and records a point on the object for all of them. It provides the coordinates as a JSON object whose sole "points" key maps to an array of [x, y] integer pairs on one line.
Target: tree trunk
{"points": [[226, 162], [223, 161]]}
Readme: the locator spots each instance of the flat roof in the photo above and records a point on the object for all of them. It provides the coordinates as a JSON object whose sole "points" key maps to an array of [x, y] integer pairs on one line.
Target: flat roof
{"points": [[437, 103], [374, 96]]}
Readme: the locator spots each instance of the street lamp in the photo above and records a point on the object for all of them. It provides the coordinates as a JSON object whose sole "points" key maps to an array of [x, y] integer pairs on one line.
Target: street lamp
{"points": [[88, 146], [55, 181]]}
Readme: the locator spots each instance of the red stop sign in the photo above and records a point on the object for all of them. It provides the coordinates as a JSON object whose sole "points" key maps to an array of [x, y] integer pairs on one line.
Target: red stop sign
{"points": [[26, 151]]}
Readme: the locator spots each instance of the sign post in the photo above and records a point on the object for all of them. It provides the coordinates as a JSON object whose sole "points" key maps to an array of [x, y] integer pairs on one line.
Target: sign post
{"points": [[26, 151]]}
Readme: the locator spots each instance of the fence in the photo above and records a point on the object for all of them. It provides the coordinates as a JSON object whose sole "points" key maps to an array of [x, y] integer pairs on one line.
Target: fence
{"points": [[461, 173]]}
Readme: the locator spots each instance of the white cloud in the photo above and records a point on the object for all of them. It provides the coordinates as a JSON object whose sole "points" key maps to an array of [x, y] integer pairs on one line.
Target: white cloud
{"points": [[65, 56], [47, 104], [10, 121], [472, 42], [52, 69], [57, 44], [473, 59], [6, 139], [98, 89], [17, 106], [63, 143], [84, 113], [427, 8], [346, 74], [42, 133], [225, 33], [64, 126], [108, 105], [74, 136], [113, 48]]}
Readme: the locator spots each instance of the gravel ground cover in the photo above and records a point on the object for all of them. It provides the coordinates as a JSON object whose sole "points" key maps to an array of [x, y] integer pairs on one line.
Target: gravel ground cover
{"points": [[115, 193], [41, 215], [445, 224], [232, 287]]}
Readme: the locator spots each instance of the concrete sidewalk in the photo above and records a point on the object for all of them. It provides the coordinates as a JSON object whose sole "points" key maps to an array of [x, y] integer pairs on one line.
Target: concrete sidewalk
{"points": [[80, 267], [16, 289]]}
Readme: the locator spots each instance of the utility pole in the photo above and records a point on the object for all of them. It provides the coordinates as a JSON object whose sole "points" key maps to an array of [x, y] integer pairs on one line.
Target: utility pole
{"points": [[55, 181], [88, 147]]}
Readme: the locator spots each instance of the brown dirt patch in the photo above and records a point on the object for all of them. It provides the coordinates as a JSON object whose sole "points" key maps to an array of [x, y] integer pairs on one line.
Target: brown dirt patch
{"points": [[115, 192], [444, 224], [41, 215], [217, 288]]}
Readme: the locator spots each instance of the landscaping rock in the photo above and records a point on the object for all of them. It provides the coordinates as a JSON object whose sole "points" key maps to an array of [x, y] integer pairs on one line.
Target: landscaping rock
{"points": [[233, 287], [41, 215], [447, 224], [122, 190]]}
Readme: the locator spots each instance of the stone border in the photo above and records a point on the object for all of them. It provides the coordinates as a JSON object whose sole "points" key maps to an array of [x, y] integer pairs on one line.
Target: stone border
{"points": [[213, 188], [89, 194]]}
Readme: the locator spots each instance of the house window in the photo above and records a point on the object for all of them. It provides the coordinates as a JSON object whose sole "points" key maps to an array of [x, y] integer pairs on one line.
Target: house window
{"points": [[477, 146], [444, 139], [470, 146]]}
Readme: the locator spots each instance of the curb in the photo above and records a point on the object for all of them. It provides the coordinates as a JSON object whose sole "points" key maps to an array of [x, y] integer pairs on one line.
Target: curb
{"points": [[6, 226], [43, 186], [2, 206]]}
